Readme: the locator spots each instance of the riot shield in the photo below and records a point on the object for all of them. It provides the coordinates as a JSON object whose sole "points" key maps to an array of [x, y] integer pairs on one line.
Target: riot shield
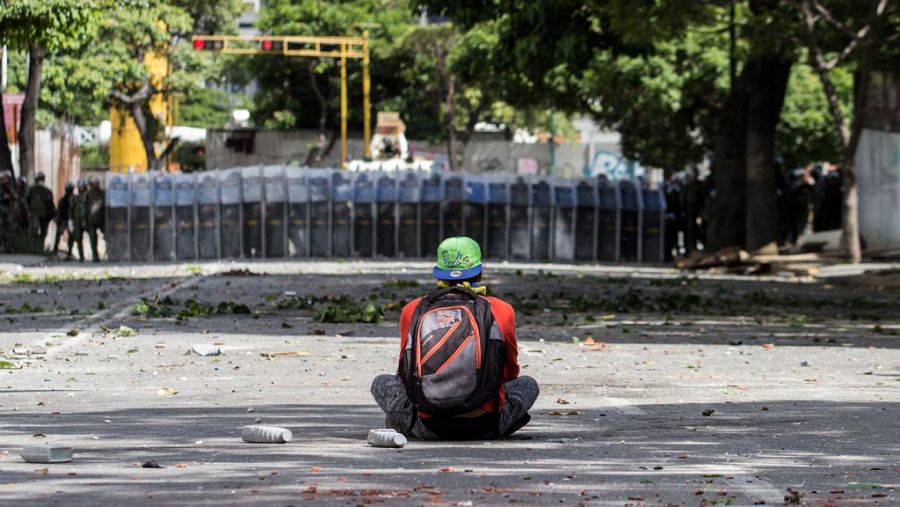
{"points": [[252, 212], [275, 208], [475, 209], [363, 214], [563, 222], [185, 218], [141, 218], [585, 221], [609, 220], [385, 215], [497, 240], [298, 212], [452, 209], [431, 224], [231, 233], [409, 219], [118, 197], [541, 217], [653, 244], [341, 214], [630, 244], [519, 219], [208, 246], [319, 212], [163, 216]]}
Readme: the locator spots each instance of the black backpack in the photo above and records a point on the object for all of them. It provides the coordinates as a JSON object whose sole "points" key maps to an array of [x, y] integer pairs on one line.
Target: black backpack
{"points": [[455, 354]]}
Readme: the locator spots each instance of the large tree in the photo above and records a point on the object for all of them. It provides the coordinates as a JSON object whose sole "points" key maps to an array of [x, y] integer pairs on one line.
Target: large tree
{"points": [[657, 72], [835, 35], [39, 28]]}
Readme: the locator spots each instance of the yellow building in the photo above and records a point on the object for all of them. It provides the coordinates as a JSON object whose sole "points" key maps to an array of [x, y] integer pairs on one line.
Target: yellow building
{"points": [[126, 150]]}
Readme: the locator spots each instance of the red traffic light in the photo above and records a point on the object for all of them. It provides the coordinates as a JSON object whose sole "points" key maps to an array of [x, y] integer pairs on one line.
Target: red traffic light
{"points": [[266, 45], [199, 43]]}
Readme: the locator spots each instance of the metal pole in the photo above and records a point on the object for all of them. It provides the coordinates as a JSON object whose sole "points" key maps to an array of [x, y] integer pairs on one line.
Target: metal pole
{"points": [[285, 225], [367, 119], [128, 228], [343, 105], [263, 216], [196, 218], [152, 209]]}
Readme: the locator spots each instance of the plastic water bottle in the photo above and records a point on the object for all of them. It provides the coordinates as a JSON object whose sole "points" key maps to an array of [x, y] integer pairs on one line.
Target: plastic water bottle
{"points": [[47, 454], [258, 434], [386, 438]]}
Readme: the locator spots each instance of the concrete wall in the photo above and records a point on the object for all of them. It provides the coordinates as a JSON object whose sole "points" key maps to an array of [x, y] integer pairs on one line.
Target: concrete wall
{"points": [[878, 173]]}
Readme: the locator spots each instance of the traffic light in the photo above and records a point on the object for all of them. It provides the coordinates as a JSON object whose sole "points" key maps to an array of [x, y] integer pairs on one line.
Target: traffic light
{"points": [[208, 45], [271, 45]]}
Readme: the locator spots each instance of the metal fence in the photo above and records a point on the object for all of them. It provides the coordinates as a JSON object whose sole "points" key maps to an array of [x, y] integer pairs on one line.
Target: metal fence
{"points": [[289, 212]]}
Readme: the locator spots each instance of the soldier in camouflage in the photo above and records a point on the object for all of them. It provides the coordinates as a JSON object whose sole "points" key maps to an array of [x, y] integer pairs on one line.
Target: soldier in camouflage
{"points": [[21, 214], [78, 219], [95, 208], [39, 200], [64, 213], [7, 210]]}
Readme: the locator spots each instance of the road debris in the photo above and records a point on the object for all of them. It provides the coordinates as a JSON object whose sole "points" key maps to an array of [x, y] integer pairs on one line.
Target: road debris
{"points": [[205, 349], [47, 454], [258, 434]]}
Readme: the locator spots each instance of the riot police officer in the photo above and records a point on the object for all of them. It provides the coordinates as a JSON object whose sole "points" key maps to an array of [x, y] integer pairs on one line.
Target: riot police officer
{"points": [[39, 200], [7, 210], [63, 218], [78, 218], [95, 208]]}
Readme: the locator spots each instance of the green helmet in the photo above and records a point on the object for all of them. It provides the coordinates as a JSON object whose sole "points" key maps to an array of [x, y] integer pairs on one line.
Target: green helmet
{"points": [[458, 258]]}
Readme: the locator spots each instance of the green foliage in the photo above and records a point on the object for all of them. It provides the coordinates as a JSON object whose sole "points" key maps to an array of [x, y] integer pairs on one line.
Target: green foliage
{"points": [[190, 156], [805, 132], [346, 310], [208, 107], [169, 307], [51, 24], [93, 157], [285, 81]]}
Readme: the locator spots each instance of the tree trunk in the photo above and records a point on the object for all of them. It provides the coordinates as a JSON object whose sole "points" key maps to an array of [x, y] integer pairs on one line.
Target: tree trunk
{"points": [[140, 121], [726, 227], [5, 155], [768, 78], [29, 110], [850, 211], [448, 122]]}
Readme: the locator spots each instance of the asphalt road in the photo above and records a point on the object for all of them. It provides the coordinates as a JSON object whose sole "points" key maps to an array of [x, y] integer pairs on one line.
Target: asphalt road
{"points": [[690, 390]]}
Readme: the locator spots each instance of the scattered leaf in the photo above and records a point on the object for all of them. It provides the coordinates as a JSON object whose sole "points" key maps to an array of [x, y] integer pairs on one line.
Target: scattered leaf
{"points": [[562, 401], [151, 464], [167, 391], [768, 346]]}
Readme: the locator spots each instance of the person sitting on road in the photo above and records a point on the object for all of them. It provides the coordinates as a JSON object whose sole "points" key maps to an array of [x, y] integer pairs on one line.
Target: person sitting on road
{"points": [[458, 377]]}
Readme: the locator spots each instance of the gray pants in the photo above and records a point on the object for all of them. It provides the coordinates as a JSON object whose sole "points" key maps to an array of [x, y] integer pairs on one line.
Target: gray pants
{"points": [[390, 394]]}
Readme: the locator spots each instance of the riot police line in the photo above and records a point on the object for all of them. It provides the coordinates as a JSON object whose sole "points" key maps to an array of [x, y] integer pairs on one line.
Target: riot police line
{"points": [[288, 212]]}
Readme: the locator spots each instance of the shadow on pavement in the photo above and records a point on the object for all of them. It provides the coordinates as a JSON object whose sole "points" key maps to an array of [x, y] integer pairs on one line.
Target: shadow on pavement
{"points": [[751, 451]]}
